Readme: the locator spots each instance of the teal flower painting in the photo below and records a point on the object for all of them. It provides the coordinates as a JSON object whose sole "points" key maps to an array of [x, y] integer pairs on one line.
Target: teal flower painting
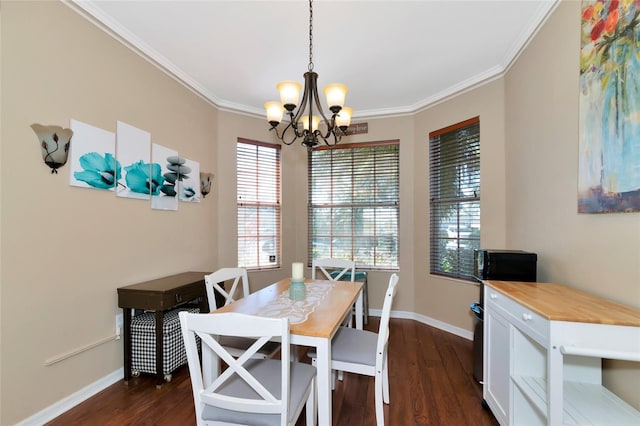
{"points": [[133, 150], [92, 158], [139, 177], [156, 179], [99, 171], [188, 192], [609, 157]]}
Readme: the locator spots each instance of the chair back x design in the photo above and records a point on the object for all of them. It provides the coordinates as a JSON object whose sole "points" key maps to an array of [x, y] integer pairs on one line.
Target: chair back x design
{"points": [[326, 266], [249, 391], [213, 280], [234, 344]]}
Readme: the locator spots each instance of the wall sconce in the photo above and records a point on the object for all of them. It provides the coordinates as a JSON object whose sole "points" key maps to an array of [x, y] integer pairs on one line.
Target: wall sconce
{"points": [[205, 183], [54, 142]]}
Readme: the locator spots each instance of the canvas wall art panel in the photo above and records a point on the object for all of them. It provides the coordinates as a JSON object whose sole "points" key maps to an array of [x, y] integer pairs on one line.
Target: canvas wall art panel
{"points": [[164, 194], [93, 161], [189, 181], [609, 142], [133, 152]]}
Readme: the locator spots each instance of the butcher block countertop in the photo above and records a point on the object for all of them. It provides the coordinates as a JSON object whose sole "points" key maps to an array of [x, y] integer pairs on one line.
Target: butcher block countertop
{"points": [[557, 302]]}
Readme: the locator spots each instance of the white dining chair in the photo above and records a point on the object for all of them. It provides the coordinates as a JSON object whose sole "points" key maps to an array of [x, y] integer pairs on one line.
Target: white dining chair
{"points": [[214, 280], [328, 265], [235, 345], [332, 269], [365, 352], [250, 391]]}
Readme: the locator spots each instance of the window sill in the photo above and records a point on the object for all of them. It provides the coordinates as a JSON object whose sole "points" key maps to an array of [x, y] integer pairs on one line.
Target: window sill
{"points": [[458, 280]]}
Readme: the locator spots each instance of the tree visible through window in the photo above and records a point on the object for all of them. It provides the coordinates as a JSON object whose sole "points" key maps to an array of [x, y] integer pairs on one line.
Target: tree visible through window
{"points": [[454, 186], [354, 203], [258, 192]]}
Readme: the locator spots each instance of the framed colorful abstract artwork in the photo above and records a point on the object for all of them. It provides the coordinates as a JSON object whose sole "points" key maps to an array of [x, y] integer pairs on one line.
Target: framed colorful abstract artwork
{"points": [[609, 142]]}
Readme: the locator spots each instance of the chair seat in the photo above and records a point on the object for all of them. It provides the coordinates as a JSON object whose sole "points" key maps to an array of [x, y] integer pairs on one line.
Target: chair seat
{"points": [[243, 343], [268, 372], [352, 345]]}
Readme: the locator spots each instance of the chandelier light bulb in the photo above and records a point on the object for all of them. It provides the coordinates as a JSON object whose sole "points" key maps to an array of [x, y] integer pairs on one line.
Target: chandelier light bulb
{"points": [[343, 119], [315, 121], [335, 94], [275, 111], [289, 93]]}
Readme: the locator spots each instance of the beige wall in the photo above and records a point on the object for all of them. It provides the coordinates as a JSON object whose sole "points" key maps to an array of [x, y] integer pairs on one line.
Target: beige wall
{"points": [[443, 299], [596, 253], [65, 250]]}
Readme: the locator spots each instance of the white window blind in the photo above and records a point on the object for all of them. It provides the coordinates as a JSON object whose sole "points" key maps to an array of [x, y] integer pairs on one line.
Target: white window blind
{"points": [[454, 186], [258, 192], [354, 203]]}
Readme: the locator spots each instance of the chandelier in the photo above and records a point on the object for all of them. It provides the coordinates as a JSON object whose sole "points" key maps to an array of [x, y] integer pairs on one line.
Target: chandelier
{"points": [[300, 126]]}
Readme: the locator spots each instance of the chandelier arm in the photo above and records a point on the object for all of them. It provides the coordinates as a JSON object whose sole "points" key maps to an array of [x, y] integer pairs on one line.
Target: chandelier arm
{"points": [[293, 123], [282, 135], [313, 92], [326, 138], [329, 124], [309, 78]]}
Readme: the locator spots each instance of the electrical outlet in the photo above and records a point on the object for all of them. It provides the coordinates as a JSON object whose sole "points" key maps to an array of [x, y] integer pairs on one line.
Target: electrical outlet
{"points": [[119, 321]]}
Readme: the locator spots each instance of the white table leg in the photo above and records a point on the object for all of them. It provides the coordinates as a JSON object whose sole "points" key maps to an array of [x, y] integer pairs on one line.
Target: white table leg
{"points": [[323, 365], [359, 311]]}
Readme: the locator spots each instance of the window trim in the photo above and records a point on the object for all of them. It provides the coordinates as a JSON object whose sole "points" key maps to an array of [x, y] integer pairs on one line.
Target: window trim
{"points": [[458, 200], [278, 205]]}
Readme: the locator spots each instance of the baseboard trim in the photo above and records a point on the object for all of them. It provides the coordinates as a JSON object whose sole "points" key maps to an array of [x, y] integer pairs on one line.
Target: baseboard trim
{"points": [[461, 332], [72, 400], [87, 392]]}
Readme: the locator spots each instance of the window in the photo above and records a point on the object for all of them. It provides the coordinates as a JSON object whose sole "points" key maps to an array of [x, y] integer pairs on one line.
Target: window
{"points": [[258, 170], [354, 202], [454, 186]]}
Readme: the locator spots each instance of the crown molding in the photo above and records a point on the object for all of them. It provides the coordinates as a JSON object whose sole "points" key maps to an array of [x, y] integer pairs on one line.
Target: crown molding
{"points": [[99, 18]]}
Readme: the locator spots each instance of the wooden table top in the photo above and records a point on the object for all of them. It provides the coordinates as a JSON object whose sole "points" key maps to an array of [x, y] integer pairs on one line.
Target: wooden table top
{"points": [[322, 322], [167, 283], [557, 302]]}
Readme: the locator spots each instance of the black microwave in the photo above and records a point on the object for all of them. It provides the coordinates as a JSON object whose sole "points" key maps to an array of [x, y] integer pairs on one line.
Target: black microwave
{"points": [[504, 265]]}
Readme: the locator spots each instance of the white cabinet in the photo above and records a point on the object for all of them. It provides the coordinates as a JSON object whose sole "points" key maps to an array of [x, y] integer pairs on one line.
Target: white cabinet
{"points": [[543, 350], [496, 364]]}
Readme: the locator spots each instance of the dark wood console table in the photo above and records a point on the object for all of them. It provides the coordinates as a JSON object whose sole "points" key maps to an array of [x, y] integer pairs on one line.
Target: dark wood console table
{"points": [[158, 295]]}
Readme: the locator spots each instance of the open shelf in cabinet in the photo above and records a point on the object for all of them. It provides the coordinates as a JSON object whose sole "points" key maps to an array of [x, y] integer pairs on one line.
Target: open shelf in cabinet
{"points": [[584, 403], [592, 404], [534, 389]]}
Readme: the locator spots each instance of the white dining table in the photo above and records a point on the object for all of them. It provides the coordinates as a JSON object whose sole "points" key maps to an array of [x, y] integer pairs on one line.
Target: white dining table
{"points": [[314, 328]]}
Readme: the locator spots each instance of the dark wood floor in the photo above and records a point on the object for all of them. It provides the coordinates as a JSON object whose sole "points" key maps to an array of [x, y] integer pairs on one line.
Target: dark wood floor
{"points": [[431, 383]]}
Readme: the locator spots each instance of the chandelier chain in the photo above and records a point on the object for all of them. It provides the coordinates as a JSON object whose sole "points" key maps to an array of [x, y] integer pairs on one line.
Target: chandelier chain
{"points": [[310, 35]]}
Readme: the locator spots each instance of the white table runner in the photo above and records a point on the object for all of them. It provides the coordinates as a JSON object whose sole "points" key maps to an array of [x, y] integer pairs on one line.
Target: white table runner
{"points": [[297, 310]]}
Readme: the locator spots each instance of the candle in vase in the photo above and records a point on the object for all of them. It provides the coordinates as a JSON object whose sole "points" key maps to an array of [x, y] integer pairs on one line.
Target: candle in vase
{"points": [[296, 271]]}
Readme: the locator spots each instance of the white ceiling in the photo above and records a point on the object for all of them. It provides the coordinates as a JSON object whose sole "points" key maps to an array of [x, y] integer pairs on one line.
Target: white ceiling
{"points": [[396, 56]]}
